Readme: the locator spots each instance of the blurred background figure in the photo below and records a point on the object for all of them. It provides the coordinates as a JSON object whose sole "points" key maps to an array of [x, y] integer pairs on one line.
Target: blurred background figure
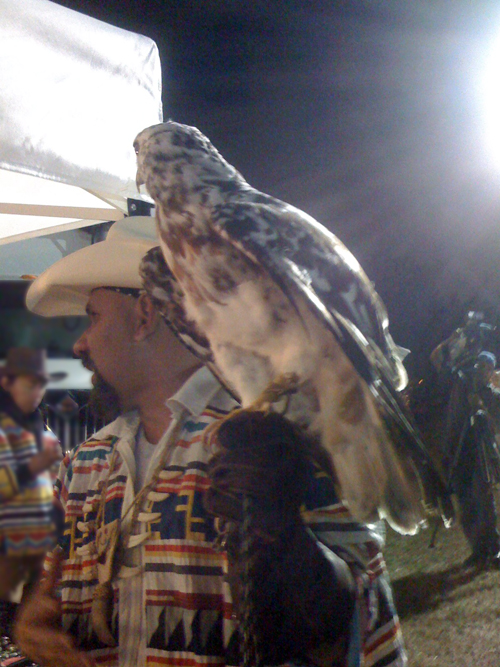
{"points": [[28, 516], [466, 372]]}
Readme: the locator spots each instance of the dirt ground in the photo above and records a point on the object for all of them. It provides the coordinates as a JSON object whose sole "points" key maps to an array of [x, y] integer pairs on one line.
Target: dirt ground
{"points": [[450, 616]]}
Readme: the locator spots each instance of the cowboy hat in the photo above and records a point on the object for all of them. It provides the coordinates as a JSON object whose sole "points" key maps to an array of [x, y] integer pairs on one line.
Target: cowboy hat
{"points": [[129, 258], [64, 288], [28, 361]]}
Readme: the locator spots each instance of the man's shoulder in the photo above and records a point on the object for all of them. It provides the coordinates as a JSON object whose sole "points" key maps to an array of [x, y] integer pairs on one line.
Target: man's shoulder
{"points": [[221, 403], [103, 440], [124, 425]]}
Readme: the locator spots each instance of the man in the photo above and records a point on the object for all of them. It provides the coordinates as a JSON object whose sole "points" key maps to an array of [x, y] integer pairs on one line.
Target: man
{"points": [[141, 580], [26, 509], [464, 344], [467, 371]]}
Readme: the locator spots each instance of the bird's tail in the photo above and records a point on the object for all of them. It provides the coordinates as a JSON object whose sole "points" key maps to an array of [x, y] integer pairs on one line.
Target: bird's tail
{"points": [[373, 478], [413, 452]]}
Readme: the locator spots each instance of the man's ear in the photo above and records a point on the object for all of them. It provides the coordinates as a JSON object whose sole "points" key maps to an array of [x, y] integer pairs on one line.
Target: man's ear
{"points": [[4, 381], [146, 316]]}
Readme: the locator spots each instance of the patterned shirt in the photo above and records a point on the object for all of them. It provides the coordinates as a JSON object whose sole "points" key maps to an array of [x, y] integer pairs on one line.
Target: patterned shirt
{"points": [[171, 603], [26, 525]]}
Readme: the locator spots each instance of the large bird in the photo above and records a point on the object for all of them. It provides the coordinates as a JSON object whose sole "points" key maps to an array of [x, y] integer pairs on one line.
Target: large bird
{"points": [[288, 319]]}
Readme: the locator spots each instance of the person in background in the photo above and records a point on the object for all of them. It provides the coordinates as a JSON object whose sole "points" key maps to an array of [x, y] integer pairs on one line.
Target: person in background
{"points": [[27, 513], [466, 369]]}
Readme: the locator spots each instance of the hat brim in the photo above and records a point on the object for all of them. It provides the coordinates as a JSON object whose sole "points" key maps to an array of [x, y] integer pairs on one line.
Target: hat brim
{"points": [[57, 377], [49, 377], [64, 288]]}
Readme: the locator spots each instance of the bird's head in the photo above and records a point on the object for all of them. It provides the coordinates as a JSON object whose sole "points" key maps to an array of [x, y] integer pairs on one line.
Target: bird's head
{"points": [[179, 154]]}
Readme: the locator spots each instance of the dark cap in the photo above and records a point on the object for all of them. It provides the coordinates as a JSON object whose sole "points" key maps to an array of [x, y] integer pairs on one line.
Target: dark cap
{"points": [[28, 361]]}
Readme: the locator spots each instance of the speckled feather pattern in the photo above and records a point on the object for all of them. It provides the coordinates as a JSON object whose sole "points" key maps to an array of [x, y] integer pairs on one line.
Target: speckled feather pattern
{"points": [[267, 291]]}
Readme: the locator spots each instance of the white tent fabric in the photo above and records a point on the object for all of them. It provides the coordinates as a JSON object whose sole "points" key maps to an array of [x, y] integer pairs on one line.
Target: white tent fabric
{"points": [[74, 92]]}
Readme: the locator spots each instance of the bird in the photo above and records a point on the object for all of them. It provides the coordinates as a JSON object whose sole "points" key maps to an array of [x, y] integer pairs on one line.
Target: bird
{"points": [[288, 320]]}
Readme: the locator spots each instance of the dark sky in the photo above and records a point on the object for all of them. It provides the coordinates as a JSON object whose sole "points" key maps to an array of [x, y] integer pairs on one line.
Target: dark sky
{"points": [[368, 115]]}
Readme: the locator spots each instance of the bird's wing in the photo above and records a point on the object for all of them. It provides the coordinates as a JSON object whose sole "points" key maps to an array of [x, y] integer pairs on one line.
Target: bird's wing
{"points": [[299, 253]]}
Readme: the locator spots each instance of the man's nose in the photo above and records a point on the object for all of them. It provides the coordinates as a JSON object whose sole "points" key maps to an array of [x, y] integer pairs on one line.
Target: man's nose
{"points": [[80, 346]]}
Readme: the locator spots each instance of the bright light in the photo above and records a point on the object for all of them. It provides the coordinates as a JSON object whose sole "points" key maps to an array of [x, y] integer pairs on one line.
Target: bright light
{"points": [[490, 98]]}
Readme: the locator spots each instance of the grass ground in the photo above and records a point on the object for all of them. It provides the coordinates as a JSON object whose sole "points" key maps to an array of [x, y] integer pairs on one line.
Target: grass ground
{"points": [[450, 616]]}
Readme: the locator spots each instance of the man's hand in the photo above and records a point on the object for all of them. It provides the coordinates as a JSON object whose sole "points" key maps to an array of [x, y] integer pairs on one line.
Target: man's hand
{"points": [[261, 456], [37, 628], [299, 595]]}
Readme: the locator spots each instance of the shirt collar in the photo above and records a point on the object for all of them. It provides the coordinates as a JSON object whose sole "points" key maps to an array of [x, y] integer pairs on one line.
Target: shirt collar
{"points": [[195, 394], [125, 426]]}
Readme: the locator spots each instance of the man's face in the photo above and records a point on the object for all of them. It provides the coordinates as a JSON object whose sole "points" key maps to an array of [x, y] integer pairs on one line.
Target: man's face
{"points": [[27, 392], [106, 349]]}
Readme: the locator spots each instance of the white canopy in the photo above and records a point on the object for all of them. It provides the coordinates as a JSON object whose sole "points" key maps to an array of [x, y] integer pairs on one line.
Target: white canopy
{"points": [[74, 92]]}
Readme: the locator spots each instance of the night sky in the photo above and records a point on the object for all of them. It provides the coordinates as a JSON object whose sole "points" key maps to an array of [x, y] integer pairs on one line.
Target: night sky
{"points": [[367, 115]]}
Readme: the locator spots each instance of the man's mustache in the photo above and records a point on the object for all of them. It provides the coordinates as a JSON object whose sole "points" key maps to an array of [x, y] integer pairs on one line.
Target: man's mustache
{"points": [[87, 361]]}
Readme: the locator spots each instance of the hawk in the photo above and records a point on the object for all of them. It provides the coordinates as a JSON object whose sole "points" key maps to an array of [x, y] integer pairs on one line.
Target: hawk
{"points": [[287, 319]]}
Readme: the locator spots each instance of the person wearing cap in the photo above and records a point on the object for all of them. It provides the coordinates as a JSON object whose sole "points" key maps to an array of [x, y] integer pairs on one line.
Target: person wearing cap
{"points": [[137, 579], [26, 507], [466, 369]]}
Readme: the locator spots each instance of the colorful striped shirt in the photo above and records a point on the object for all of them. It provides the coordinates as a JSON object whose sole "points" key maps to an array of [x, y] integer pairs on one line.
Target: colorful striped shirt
{"points": [[172, 605], [26, 526]]}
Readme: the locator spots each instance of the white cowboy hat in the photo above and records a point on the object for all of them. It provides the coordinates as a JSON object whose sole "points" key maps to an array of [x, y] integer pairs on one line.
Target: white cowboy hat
{"points": [[64, 288]]}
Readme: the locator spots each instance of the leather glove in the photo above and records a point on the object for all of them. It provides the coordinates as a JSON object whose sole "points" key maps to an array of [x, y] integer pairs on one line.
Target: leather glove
{"points": [[290, 592]]}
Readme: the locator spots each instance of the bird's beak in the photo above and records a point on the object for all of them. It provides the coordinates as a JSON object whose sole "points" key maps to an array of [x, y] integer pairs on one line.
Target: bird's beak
{"points": [[139, 180]]}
